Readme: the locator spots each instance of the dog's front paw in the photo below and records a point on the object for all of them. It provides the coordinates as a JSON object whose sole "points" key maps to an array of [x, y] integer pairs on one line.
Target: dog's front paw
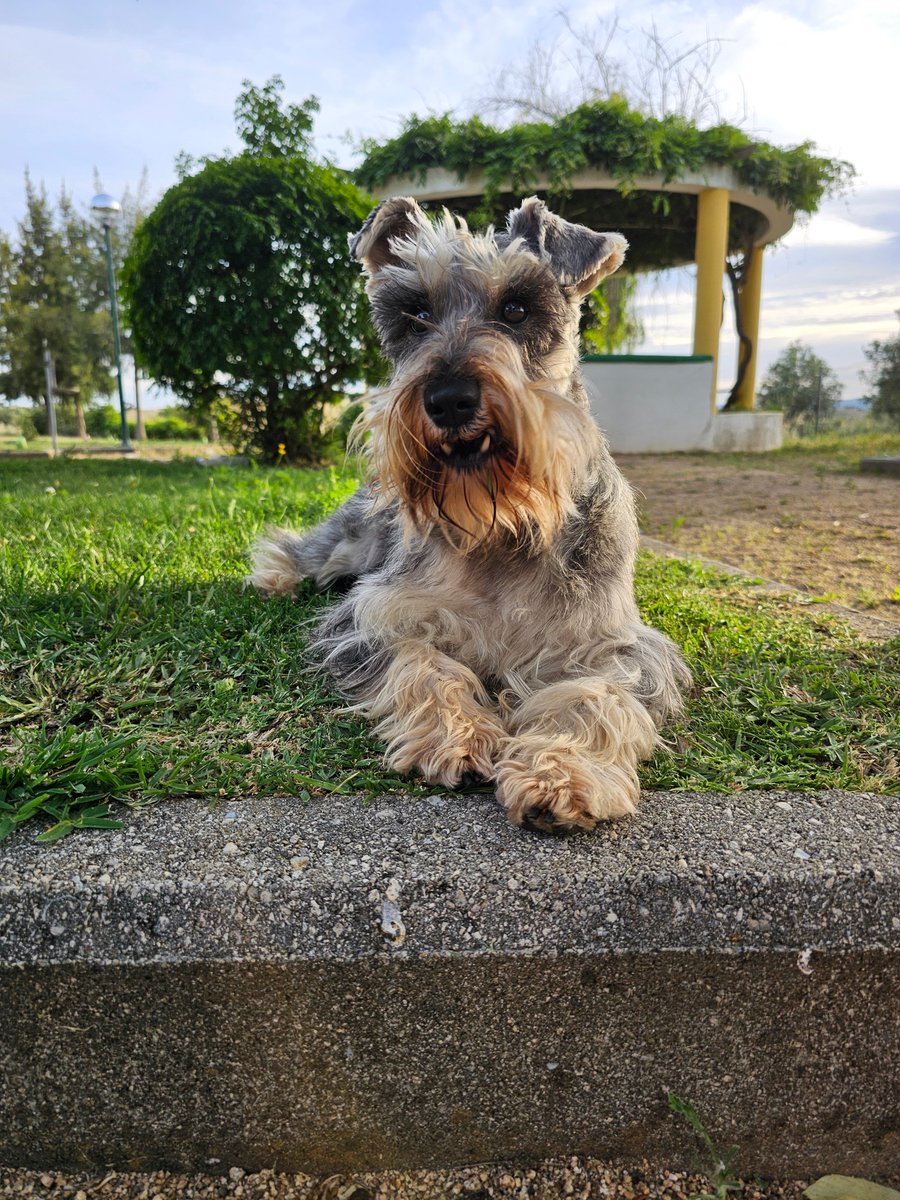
{"points": [[552, 786], [448, 760]]}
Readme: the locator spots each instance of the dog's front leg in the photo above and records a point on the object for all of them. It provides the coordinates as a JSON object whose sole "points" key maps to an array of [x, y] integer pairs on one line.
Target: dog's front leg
{"points": [[435, 716], [572, 753]]}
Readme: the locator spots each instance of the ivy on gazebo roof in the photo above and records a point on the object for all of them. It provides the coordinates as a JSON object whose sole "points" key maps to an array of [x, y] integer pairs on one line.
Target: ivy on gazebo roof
{"points": [[621, 142]]}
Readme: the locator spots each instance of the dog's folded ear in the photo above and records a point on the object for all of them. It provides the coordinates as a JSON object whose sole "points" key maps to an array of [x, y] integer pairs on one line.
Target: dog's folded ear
{"points": [[396, 219], [579, 257]]}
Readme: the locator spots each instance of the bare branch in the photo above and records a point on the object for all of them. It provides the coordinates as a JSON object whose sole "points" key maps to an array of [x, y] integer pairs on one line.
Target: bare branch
{"points": [[658, 75]]}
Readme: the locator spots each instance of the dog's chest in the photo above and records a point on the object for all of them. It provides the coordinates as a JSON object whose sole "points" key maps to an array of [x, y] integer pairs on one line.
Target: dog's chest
{"points": [[496, 615]]}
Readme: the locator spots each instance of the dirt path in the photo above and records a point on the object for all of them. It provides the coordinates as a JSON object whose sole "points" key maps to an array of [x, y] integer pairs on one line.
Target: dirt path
{"points": [[828, 532]]}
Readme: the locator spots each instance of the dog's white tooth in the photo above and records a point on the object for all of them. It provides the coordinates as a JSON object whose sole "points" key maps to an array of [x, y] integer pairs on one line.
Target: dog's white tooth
{"points": [[446, 447], [486, 444]]}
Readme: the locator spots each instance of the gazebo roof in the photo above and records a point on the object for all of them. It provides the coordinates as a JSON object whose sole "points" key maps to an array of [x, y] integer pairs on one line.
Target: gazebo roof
{"points": [[668, 209]]}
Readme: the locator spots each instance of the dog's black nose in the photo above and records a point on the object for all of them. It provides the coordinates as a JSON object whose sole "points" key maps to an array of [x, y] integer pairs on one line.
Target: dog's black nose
{"points": [[452, 402]]}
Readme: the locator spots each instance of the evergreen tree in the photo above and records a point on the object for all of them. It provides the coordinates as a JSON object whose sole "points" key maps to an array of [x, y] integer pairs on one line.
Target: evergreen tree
{"points": [[51, 291], [239, 284]]}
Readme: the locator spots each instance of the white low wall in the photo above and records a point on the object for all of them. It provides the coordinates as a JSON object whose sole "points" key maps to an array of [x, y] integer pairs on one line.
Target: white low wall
{"points": [[654, 405]]}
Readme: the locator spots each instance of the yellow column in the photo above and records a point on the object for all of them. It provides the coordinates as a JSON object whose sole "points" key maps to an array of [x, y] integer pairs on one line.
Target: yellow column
{"points": [[751, 292], [709, 251]]}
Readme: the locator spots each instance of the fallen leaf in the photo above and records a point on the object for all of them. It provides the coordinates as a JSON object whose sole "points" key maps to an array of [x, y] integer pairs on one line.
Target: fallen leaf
{"points": [[846, 1187]]}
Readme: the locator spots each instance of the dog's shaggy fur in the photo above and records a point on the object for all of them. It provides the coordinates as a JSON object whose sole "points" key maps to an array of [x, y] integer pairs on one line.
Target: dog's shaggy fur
{"points": [[492, 629]]}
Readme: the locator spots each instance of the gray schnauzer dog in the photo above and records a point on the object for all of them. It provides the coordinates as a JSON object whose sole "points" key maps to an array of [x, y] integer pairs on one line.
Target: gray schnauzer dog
{"points": [[492, 629]]}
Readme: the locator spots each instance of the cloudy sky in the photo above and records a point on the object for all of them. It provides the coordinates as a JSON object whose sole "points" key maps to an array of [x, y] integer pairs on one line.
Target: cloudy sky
{"points": [[120, 85]]}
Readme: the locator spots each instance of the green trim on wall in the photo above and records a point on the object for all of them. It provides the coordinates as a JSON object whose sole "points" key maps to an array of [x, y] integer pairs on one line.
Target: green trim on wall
{"points": [[647, 358]]}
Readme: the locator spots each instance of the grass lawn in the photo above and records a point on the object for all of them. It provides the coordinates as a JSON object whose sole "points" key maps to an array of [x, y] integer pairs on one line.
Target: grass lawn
{"points": [[135, 668]]}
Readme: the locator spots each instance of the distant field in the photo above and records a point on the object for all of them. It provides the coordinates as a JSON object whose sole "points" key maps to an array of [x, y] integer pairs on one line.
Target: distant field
{"points": [[135, 667]]}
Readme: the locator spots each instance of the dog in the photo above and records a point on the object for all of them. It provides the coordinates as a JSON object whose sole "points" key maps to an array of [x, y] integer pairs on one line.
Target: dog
{"points": [[491, 631]]}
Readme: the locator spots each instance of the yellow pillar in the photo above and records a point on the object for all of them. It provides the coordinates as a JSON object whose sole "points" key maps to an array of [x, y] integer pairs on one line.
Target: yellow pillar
{"points": [[748, 303], [709, 251]]}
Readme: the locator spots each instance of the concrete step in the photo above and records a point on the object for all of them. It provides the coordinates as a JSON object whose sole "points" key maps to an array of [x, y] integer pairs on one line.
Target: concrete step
{"points": [[340, 985], [880, 466]]}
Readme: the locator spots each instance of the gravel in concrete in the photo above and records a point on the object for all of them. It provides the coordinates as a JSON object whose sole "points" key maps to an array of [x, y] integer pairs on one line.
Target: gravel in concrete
{"points": [[343, 878]]}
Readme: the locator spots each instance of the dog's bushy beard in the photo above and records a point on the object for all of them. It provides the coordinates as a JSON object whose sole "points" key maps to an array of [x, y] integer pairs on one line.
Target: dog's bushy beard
{"points": [[520, 488]]}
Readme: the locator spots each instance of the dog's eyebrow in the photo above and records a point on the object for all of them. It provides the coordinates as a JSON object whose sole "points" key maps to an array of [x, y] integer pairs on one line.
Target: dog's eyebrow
{"points": [[397, 295], [529, 280], [532, 289]]}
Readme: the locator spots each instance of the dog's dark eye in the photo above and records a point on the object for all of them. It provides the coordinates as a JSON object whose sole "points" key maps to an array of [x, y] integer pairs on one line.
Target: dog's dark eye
{"points": [[514, 313], [420, 323]]}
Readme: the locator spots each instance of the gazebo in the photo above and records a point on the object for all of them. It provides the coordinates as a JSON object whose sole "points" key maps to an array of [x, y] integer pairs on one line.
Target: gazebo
{"points": [[680, 195]]}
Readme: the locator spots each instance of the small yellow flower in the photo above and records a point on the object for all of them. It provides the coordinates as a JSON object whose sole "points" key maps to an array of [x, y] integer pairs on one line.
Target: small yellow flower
{"points": [[282, 450]]}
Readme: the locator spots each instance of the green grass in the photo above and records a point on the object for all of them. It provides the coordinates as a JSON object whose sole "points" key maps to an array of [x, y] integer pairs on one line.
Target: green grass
{"points": [[134, 666], [783, 696], [720, 1166]]}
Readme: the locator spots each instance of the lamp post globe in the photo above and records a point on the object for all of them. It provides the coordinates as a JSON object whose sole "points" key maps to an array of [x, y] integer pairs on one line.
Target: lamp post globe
{"points": [[107, 208]]}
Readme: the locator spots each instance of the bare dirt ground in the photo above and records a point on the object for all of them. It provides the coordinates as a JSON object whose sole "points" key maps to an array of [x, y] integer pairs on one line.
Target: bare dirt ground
{"points": [[818, 525]]}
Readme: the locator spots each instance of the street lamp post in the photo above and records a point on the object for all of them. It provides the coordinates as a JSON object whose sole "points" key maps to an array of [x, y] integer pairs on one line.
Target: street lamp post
{"points": [[107, 208]]}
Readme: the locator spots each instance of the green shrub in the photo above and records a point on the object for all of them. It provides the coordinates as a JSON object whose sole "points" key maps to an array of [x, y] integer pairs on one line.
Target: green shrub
{"points": [[171, 429], [22, 420], [39, 420], [66, 420], [103, 421], [346, 420]]}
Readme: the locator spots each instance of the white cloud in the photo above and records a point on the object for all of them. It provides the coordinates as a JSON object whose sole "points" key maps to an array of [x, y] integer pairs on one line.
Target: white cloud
{"points": [[826, 229], [824, 74]]}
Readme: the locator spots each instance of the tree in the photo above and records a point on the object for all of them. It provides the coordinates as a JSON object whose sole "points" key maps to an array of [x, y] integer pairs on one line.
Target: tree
{"points": [[239, 283], [801, 385], [884, 377], [51, 291]]}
